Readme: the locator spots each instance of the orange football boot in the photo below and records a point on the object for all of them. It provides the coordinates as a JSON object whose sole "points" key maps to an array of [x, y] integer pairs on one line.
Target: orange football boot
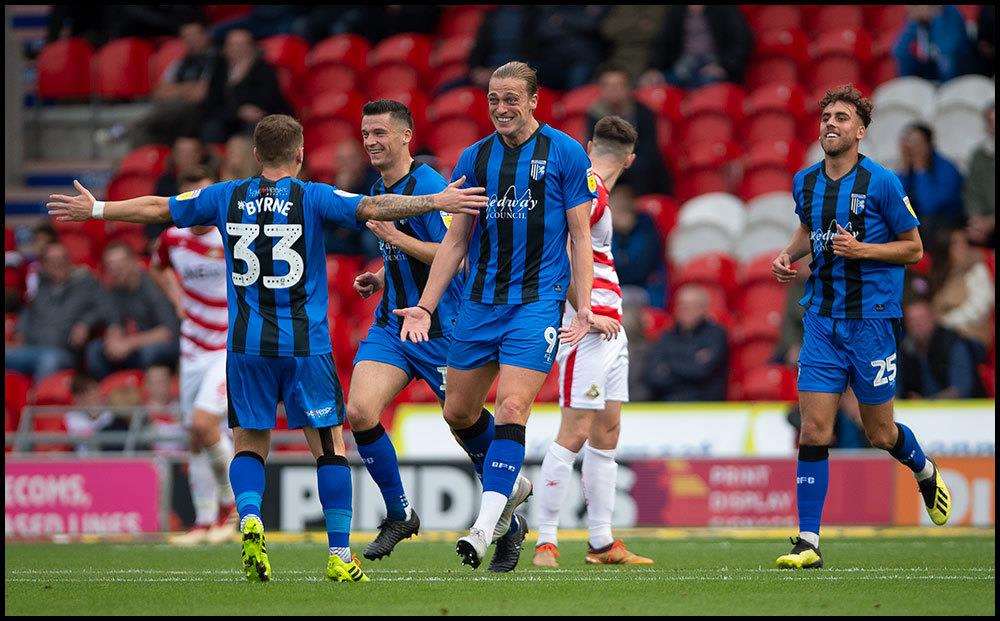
{"points": [[546, 555], [617, 554]]}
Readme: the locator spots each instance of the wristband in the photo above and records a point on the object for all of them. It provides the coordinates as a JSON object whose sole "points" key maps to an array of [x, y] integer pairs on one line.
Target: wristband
{"points": [[429, 314], [97, 212]]}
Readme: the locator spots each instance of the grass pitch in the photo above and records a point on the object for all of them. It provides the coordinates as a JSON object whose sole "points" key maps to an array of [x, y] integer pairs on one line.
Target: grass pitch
{"points": [[883, 573]]}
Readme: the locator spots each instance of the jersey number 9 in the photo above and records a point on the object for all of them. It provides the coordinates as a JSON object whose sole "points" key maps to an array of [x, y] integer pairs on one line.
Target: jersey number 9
{"points": [[287, 234]]}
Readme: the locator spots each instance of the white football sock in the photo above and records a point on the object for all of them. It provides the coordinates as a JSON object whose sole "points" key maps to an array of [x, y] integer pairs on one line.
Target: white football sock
{"points": [[600, 473], [343, 553], [489, 512], [220, 455], [203, 489], [811, 538], [927, 472], [551, 490]]}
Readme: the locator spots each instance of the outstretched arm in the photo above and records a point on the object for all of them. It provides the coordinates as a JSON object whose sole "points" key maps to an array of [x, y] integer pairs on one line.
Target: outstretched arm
{"points": [[453, 199], [142, 210]]}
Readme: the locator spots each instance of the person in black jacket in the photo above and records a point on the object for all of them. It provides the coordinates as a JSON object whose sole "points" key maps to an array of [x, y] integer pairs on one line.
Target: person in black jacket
{"points": [[701, 44], [691, 361], [647, 175], [935, 362], [244, 89]]}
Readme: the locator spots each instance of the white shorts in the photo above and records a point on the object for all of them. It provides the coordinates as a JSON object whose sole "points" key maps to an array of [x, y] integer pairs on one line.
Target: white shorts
{"points": [[593, 372], [203, 385]]}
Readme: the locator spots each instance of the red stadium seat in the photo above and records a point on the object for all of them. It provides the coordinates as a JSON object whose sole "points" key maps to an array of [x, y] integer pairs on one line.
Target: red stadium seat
{"points": [[762, 298], [549, 392], [123, 187], [577, 126], [662, 209], [845, 42], [392, 77], [326, 79], [322, 163], [15, 397], [769, 383], [331, 118], [452, 51], [789, 43], [886, 18], [750, 355], [778, 70], [461, 103], [406, 49], [836, 70], [758, 327], [167, 54], [54, 389], [150, 159], [129, 378], [711, 270], [756, 271], [707, 167], [64, 69], [785, 155], [831, 17], [121, 69], [222, 12], [663, 100], [463, 20], [773, 111], [655, 322], [286, 52], [546, 110], [577, 101], [764, 180], [80, 248], [344, 49], [447, 75], [775, 17], [452, 132], [723, 98]]}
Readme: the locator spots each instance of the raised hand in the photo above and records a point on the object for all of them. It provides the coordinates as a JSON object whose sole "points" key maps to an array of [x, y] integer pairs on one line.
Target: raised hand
{"points": [[782, 269], [416, 324], [72, 208], [367, 284], [582, 322], [456, 199]]}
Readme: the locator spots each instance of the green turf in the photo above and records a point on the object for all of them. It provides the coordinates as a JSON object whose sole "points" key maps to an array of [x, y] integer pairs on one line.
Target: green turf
{"points": [[863, 576]]}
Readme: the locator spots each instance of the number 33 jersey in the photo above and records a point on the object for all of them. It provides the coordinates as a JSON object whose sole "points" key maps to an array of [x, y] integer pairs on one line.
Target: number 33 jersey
{"points": [[272, 233]]}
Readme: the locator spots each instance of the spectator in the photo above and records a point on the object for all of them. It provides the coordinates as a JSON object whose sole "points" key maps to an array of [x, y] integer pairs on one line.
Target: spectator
{"points": [[981, 186], [162, 409], [636, 246], [630, 30], [353, 175], [690, 361], [58, 321], [986, 39], [935, 362], [238, 161], [142, 324], [91, 417], [963, 295], [933, 44], [182, 89], [503, 36], [700, 44], [568, 43], [635, 300], [22, 265], [647, 175], [243, 89], [188, 154], [933, 183]]}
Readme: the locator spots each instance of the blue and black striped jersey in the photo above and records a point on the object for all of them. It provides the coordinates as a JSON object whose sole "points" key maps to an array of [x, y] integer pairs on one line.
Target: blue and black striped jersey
{"points": [[869, 202], [273, 234], [517, 251], [405, 276]]}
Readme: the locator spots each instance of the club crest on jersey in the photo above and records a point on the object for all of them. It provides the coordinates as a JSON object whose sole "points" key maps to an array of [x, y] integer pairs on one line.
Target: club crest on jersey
{"points": [[858, 203], [186, 196], [594, 391], [537, 169]]}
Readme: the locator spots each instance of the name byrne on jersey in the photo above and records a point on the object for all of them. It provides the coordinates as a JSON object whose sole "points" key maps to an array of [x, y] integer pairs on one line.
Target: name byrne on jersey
{"points": [[265, 203]]}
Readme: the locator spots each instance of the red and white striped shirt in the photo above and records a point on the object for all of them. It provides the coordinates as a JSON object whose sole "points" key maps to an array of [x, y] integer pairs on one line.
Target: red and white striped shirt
{"points": [[200, 264], [606, 298]]}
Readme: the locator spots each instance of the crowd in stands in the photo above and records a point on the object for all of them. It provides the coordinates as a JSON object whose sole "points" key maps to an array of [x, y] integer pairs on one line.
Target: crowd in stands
{"points": [[678, 73]]}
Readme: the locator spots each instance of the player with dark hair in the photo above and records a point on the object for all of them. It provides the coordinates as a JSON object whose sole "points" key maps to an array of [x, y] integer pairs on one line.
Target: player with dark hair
{"points": [[540, 189], [859, 227], [385, 364], [593, 378], [278, 337]]}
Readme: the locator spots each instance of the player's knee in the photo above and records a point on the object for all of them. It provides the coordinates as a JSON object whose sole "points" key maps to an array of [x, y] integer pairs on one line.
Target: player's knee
{"points": [[361, 418], [605, 435], [458, 418], [512, 410], [815, 434], [881, 436]]}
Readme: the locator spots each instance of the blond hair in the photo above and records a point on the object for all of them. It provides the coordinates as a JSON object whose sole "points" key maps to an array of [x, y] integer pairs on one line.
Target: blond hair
{"points": [[520, 71]]}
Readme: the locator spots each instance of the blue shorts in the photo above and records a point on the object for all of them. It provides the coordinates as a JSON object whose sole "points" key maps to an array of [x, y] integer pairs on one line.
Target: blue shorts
{"points": [[308, 386], [860, 353], [519, 335], [427, 361]]}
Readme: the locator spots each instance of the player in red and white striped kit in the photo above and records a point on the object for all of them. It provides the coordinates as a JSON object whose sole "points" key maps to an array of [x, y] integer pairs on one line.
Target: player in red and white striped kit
{"points": [[593, 379], [190, 265]]}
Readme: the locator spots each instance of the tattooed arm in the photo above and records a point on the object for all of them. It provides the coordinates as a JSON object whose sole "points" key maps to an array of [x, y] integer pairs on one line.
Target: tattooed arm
{"points": [[452, 199]]}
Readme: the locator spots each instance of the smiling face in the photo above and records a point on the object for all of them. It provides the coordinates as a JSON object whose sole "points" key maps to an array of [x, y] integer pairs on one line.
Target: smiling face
{"points": [[386, 139], [512, 107], [840, 128]]}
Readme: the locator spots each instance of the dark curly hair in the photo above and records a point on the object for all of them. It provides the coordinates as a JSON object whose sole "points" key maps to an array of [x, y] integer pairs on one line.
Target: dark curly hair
{"points": [[848, 94]]}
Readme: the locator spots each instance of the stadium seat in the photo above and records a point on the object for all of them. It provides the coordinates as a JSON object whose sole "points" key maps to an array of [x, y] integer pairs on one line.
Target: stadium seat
{"points": [[321, 162], [887, 18], [957, 132], [775, 207], [169, 52], [15, 397], [881, 69], [913, 94], [127, 186], [63, 68], [406, 49], [826, 18], [216, 13], [444, 78], [349, 50], [121, 69], [462, 20], [968, 91], [547, 100], [830, 71], [132, 379], [723, 210], [692, 240], [716, 101], [775, 17], [577, 126], [750, 355], [769, 383], [332, 117], [775, 152], [447, 158], [788, 43], [759, 237], [664, 100], [466, 103], [331, 78], [662, 209], [577, 101], [81, 249], [655, 321], [762, 298], [759, 181], [286, 52], [452, 132], [755, 271], [392, 77], [773, 111], [713, 270], [150, 159], [451, 51], [777, 70], [54, 389], [755, 327], [708, 167]]}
